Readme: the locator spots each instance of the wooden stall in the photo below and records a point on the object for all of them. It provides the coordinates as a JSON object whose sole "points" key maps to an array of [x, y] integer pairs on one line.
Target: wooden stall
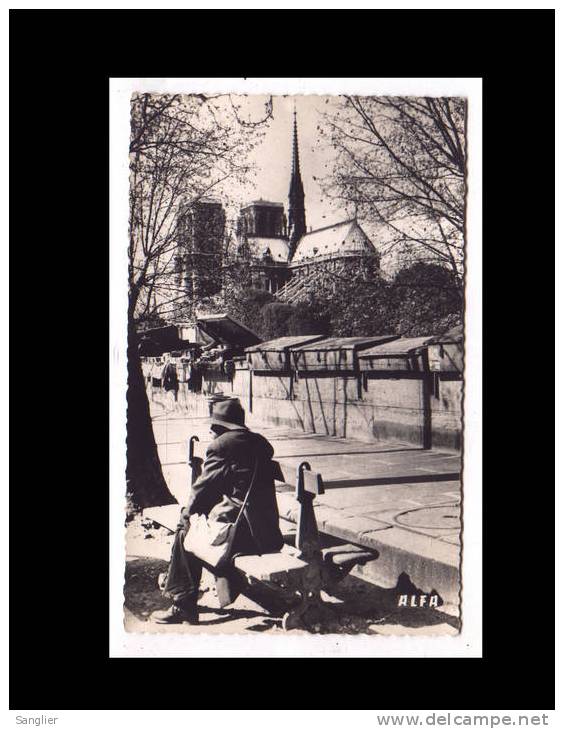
{"points": [[405, 354], [226, 331], [334, 353], [169, 338], [416, 389], [274, 356], [446, 352]]}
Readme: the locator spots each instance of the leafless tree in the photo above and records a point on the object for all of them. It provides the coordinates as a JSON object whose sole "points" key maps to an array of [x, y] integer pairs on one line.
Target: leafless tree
{"points": [[182, 148], [401, 164]]}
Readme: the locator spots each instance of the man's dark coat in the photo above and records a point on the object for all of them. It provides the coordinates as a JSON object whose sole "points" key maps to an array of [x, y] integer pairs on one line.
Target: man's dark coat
{"points": [[220, 490], [170, 377]]}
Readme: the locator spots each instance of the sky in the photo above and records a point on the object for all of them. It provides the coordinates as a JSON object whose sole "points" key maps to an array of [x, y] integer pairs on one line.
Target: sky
{"points": [[271, 160], [273, 156]]}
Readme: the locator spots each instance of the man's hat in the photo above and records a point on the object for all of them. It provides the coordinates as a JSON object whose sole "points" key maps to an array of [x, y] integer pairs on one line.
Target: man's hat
{"points": [[228, 413]]}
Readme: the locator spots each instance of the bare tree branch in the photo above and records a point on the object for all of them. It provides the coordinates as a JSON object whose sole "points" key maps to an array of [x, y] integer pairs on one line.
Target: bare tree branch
{"points": [[401, 162]]}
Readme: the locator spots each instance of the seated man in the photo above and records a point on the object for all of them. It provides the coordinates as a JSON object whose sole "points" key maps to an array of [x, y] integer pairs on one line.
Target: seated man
{"points": [[219, 493]]}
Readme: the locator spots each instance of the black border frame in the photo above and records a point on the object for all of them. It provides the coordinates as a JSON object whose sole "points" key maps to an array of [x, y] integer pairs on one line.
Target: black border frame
{"points": [[59, 214]]}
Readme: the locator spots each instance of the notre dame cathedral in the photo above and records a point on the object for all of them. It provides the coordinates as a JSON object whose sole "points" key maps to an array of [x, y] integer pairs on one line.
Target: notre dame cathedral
{"points": [[276, 251]]}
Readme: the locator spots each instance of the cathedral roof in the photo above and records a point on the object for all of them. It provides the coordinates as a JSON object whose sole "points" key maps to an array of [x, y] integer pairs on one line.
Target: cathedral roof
{"points": [[338, 239], [279, 248]]}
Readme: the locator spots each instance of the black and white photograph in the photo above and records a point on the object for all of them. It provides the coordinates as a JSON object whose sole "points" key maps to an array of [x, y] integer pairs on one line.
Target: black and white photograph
{"points": [[296, 299], [288, 275]]}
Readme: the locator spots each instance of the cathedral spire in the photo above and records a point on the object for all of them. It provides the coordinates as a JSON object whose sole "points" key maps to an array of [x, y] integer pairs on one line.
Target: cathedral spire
{"points": [[296, 204], [295, 148]]}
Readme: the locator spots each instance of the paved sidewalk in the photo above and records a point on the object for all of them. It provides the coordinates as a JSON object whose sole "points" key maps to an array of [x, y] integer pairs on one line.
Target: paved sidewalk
{"points": [[393, 497]]}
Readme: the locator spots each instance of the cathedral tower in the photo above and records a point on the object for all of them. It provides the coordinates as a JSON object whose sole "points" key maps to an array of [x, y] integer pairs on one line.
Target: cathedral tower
{"points": [[199, 254], [296, 204]]}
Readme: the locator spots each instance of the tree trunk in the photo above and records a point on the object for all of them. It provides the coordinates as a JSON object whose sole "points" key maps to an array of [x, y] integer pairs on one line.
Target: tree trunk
{"points": [[145, 481]]}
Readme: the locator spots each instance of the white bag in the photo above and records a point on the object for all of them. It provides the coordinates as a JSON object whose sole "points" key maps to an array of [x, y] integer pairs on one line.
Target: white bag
{"points": [[212, 541], [209, 540]]}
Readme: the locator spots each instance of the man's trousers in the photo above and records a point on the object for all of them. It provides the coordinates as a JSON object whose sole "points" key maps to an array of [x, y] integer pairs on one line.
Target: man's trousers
{"points": [[184, 573]]}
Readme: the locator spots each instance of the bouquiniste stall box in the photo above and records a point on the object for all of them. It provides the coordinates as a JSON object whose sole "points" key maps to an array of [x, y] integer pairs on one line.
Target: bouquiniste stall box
{"points": [[225, 330], [446, 352], [274, 355], [334, 353], [405, 354]]}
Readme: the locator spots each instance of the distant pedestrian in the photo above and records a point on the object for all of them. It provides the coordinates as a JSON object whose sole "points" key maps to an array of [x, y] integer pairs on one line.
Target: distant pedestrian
{"points": [[170, 379], [195, 383], [156, 373]]}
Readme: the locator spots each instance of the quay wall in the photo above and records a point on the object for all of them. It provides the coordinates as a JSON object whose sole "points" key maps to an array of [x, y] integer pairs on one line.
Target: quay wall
{"points": [[416, 407]]}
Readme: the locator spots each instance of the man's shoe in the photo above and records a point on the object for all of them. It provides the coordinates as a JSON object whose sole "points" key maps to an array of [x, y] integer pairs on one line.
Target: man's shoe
{"points": [[175, 616]]}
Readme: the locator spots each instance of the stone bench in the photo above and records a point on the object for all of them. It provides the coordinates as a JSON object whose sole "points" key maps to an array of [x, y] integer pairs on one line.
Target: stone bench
{"points": [[294, 577]]}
